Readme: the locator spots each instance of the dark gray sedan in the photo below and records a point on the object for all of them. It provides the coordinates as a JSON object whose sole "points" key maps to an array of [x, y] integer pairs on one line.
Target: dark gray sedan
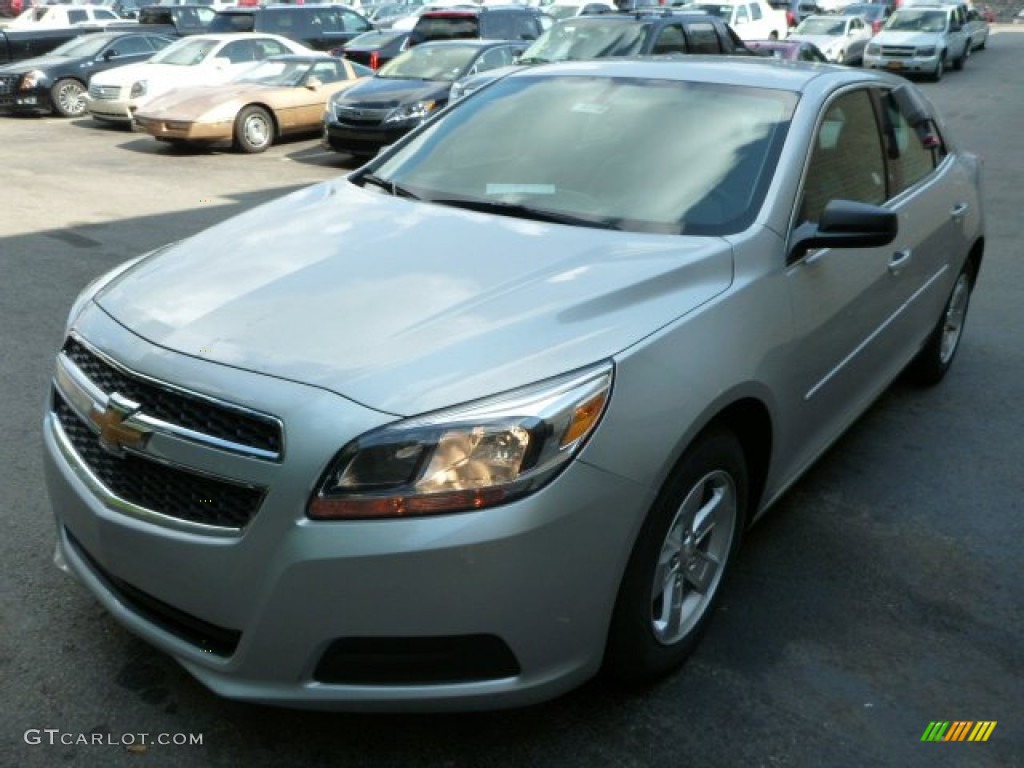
{"points": [[492, 413]]}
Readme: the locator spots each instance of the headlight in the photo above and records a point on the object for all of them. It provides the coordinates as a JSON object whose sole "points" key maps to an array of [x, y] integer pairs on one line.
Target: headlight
{"points": [[926, 51], [31, 79], [417, 111], [474, 456], [874, 49], [138, 89]]}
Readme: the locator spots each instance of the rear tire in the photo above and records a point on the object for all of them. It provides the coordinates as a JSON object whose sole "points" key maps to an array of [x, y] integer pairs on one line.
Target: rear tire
{"points": [[254, 130], [679, 561]]}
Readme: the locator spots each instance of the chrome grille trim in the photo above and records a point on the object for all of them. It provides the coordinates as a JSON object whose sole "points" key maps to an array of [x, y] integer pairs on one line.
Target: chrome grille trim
{"points": [[112, 501], [100, 397], [8, 84], [104, 92]]}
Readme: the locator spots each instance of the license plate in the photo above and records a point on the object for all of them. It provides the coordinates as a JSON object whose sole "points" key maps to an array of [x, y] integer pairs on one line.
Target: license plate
{"points": [[895, 65]]}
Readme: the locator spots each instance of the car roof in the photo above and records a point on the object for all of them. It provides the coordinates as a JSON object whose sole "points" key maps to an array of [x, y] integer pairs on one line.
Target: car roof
{"points": [[302, 57], [753, 71], [469, 43]]}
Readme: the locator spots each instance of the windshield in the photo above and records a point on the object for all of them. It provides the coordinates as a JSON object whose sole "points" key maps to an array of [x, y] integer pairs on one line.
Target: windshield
{"points": [[867, 11], [560, 12], [583, 39], [283, 73], [87, 45], [818, 26], [443, 62], [623, 153], [186, 53], [917, 21]]}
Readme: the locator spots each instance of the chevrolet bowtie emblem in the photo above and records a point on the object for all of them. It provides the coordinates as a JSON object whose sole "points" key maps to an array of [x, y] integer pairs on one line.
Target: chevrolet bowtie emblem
{"points": [[115, 434]]}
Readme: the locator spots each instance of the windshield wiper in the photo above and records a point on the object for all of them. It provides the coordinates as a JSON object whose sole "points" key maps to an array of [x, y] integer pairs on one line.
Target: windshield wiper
{"points": [[533, 60], [387, 185], [521, 211]]}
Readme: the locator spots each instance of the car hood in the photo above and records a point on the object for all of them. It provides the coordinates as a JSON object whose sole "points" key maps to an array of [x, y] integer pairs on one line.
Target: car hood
{"points": [[40, 62], [407, 307], [384, 92], [195, 101], [906, 38], [156, 73]]}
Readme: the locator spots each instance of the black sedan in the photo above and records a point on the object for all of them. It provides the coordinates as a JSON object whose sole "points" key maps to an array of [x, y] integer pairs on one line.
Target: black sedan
{"points": [[406, 91], [58, 81]]}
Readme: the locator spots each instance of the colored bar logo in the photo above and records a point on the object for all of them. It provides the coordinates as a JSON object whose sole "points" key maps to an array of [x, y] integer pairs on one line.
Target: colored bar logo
{"points": [[959, 730]]}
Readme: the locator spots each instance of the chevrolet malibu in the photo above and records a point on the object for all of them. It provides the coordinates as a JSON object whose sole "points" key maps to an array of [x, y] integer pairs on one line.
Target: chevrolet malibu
{"points": [[491, 414]]}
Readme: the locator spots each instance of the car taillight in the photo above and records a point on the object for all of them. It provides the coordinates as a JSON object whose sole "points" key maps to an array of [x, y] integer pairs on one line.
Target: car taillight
{"points": [[876, 27], [374, 59], [790, 19]]}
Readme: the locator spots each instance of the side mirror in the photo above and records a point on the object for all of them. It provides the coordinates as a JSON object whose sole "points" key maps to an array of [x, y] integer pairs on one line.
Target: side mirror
{"points": [[110, 54], [845, 224], [221, 62], [313, 83]]}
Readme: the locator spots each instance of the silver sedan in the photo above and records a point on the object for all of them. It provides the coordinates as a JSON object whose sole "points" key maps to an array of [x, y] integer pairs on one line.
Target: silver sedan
{"points": [[492, 413]]}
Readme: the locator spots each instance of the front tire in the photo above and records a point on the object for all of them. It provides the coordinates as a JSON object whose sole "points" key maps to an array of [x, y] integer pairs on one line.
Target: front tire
{"points": [[959, 63], [934, 360], [67, 97], [678, 564], [254, 130]]}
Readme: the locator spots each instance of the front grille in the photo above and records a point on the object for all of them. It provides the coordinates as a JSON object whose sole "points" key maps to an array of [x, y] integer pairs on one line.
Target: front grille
{"points": [[897, 52], [171, 491], [202, 634], [8, 84], [104, 92], [177, 408], [361, 116]]}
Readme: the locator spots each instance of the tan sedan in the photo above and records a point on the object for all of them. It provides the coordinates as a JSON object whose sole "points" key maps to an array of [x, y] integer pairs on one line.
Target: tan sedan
{"points": [[282, 95]]}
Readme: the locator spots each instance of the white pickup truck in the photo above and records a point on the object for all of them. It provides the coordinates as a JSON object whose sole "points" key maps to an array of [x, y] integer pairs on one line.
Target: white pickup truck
{"points": [[750, 19]]}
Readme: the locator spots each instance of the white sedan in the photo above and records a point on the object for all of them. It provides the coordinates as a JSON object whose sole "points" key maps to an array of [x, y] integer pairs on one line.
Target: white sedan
{"points": [[202, 60], [841, 38]]}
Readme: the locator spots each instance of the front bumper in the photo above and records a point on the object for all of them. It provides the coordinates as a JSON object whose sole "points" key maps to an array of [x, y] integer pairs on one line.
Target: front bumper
{"points": [[33, 101], [185, 131], [254, 616], [902, 64], [362, 140], [112, 110]]}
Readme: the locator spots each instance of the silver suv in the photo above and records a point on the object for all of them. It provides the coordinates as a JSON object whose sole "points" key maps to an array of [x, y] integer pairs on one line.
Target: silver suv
{"points": [[921, 39]]}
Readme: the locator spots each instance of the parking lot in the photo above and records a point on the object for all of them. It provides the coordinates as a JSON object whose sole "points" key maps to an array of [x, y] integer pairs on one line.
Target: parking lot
{"points": [[881, 594]]}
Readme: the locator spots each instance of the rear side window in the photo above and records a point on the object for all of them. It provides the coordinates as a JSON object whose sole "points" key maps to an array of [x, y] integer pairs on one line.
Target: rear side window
{"points": [[703, 37], [445, 28], [233, 22]]}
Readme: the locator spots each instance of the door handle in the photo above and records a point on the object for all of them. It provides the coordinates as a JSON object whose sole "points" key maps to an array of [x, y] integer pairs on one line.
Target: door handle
{"points": [[899, 260], [959, 210]]}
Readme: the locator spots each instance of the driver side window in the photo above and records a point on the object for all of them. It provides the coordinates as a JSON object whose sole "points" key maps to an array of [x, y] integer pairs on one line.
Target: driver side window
{"points": [[847, 161]]}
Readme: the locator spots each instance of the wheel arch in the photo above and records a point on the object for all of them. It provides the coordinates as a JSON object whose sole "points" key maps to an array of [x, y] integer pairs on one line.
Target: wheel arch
{"points": [[750, 421], [974, 259], [265, 107]]}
